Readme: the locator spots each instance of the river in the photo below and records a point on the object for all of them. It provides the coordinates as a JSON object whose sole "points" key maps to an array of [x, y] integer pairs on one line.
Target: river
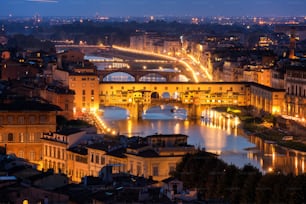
{"points": [[216, 132]]}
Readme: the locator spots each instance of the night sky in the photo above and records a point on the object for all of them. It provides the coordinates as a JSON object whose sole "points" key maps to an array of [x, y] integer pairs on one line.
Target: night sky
{"points": [[153, 7]]}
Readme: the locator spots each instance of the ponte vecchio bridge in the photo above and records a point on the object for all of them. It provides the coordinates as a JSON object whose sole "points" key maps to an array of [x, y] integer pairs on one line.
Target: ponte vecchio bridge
{"points": [[137, 74], [193, 97]]}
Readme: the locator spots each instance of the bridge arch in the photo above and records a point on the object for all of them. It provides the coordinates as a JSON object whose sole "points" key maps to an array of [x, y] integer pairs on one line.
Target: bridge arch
{"points": [[119, 76], [180, 78], [154, 95], [108, 111], [153, 77], [166, 95]]}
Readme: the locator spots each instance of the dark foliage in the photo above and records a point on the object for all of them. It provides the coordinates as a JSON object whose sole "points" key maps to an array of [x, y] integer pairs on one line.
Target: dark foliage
{"points": [[216, 180]]}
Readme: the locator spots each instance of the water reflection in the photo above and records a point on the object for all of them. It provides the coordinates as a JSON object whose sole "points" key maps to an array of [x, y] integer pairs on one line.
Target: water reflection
{"points": [[218, 133], [275, 158]]}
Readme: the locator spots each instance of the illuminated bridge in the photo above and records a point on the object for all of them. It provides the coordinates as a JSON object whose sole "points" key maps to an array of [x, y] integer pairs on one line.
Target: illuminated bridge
{"points": [[193, 97], [139, 74]]}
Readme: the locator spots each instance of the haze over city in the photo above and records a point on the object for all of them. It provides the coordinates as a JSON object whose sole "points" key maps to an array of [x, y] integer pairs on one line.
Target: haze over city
{"points": [[156, 7]]}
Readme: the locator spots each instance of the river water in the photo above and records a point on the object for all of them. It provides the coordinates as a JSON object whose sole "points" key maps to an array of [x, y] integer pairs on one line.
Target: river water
{"points": [[216, 132]]}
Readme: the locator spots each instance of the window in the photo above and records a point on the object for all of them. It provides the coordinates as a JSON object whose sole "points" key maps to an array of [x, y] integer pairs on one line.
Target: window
{"points": [[171, 168], [97, 159], [43, 119], [102, 160], [21, 137], [10, 137], [1, 137], [83, 92], [20, 120], [138, 169], [58, 153], [32, 156], [62, 154], [155, 170], [50, 151], [32, 119], [131, 167], [46, 150], [1, 120], [92, 158], [10, 119], [92, 92], [20, 154]]}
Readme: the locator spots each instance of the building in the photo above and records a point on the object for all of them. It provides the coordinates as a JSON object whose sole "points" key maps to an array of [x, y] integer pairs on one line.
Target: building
{"points": [[22, 124], [69, 57], [55, 145], [295, 84], [86, 88], [60, 96], [11, 69], [154, 159], [267, 99]]}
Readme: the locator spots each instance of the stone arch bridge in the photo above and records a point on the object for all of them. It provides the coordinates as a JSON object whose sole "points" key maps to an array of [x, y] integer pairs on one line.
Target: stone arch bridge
{"points": [[193, 97], [137, 74]]}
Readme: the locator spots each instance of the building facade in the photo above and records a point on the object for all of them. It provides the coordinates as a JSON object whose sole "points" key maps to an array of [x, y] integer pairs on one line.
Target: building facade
{"points": [[86, 88], [22, 124]]}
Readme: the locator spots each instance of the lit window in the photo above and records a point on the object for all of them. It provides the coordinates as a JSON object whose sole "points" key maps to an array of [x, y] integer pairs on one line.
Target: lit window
{"points": [[21, 137], [32, 156]]}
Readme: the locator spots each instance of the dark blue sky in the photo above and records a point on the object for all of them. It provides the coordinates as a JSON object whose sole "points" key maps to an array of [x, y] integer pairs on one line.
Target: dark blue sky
{"points": [[153, 7]]}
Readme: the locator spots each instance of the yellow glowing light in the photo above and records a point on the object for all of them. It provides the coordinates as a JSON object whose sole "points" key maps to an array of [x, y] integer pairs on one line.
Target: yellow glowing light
{"points": [[185, 64], [275, 109]]}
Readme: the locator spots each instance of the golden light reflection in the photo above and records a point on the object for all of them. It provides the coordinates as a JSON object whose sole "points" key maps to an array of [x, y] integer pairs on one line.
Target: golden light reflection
{"points": [[215, 119], [129, 127], [186, 123], [99, 123], [176, 128], [296, 166]]}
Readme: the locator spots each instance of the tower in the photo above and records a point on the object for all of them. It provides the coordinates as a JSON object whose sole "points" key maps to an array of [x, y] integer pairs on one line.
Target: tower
{"points": [[292, 43]]}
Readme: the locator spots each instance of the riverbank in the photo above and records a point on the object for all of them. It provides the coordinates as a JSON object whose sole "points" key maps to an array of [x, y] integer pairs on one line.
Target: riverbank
{"points": [[272, 129], [275, 132]]}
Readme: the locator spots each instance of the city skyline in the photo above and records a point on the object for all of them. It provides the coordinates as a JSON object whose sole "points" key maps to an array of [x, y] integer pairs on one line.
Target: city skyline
{"points": [[119, 8]]}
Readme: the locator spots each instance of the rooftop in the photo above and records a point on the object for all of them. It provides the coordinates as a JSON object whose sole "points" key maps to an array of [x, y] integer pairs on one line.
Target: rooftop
{"points": [[28, 106]]}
